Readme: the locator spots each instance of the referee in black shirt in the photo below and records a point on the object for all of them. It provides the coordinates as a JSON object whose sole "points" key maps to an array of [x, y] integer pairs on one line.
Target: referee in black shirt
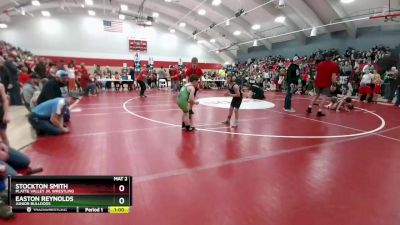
{"points": [[292, 79]]}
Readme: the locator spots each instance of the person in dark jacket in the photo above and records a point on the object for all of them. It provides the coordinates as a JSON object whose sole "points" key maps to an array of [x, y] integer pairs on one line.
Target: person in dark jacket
{"points": [[293, 73], [13, 87], [40, 69], [397, 80], [53, 88], [56, 88], [4, 74]]}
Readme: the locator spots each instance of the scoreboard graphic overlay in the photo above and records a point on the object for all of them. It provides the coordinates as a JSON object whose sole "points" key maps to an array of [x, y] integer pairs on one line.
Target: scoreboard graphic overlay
{"points": [[70, 194]]}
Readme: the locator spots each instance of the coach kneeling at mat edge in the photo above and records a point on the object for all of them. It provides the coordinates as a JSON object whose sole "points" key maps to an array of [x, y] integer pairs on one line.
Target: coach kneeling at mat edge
{"points": [[47, 117]]}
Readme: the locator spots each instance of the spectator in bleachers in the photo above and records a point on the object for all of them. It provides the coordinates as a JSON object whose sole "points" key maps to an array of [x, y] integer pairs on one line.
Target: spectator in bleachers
{"points": [[5, 211], [280, 78], [4, 74], [4, 114], [82, 69], [13, 87], [97, 69], [11, 161], [222, 74], [56, 87], [108, 72], [367, 86], [346, 69], [29, 90], [152, 80], [376, 77], [259, 80], [60, 65], [87, 84], [23, 76], [52, 71], [97, 82], [40, 68], [252, 79], [304, 79], [175, 78], [107, 84], [161, 74], [71, 76], [368, 68], [117, 84], [53, 88], [377, 89]]}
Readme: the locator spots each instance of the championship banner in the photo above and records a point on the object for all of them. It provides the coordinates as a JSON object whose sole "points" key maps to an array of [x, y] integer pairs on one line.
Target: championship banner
{"points": [[137, 45]]}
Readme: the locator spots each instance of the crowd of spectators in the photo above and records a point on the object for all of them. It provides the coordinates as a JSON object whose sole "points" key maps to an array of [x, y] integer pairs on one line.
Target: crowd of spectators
{"points": [[47, 89], [364, 70], [43, 88]]}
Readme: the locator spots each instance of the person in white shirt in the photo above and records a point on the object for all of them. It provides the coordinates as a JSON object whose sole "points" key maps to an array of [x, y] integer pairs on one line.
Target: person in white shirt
{"points": [[366, 79], [265, 75], [357, 66], [349, 90], [369, 68], [30, 89], [71, 77], [162, 74]]}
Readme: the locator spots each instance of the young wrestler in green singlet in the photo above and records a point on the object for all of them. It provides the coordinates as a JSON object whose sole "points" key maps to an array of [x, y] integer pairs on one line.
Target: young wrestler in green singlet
{"points": [[186, 101]]}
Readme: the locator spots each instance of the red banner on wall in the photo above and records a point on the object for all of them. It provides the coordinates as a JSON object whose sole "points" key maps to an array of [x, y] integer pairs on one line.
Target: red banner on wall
{"points": [[137, 45]]}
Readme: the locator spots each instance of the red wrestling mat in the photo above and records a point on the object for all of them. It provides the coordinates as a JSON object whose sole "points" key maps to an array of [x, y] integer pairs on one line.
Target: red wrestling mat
{"points": [[275, 168]]}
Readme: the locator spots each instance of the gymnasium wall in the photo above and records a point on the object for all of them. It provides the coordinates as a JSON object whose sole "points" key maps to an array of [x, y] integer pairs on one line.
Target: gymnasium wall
{"points": [[366, 38], [82, 37]]}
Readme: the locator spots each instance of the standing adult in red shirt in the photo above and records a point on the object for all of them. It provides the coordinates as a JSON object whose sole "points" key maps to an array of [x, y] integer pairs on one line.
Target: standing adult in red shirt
{"points": [[75, 66], [194, 69], [83, 69], [326, 76], [175, 77], [87, 84], [23, 76], [140, 79]]}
